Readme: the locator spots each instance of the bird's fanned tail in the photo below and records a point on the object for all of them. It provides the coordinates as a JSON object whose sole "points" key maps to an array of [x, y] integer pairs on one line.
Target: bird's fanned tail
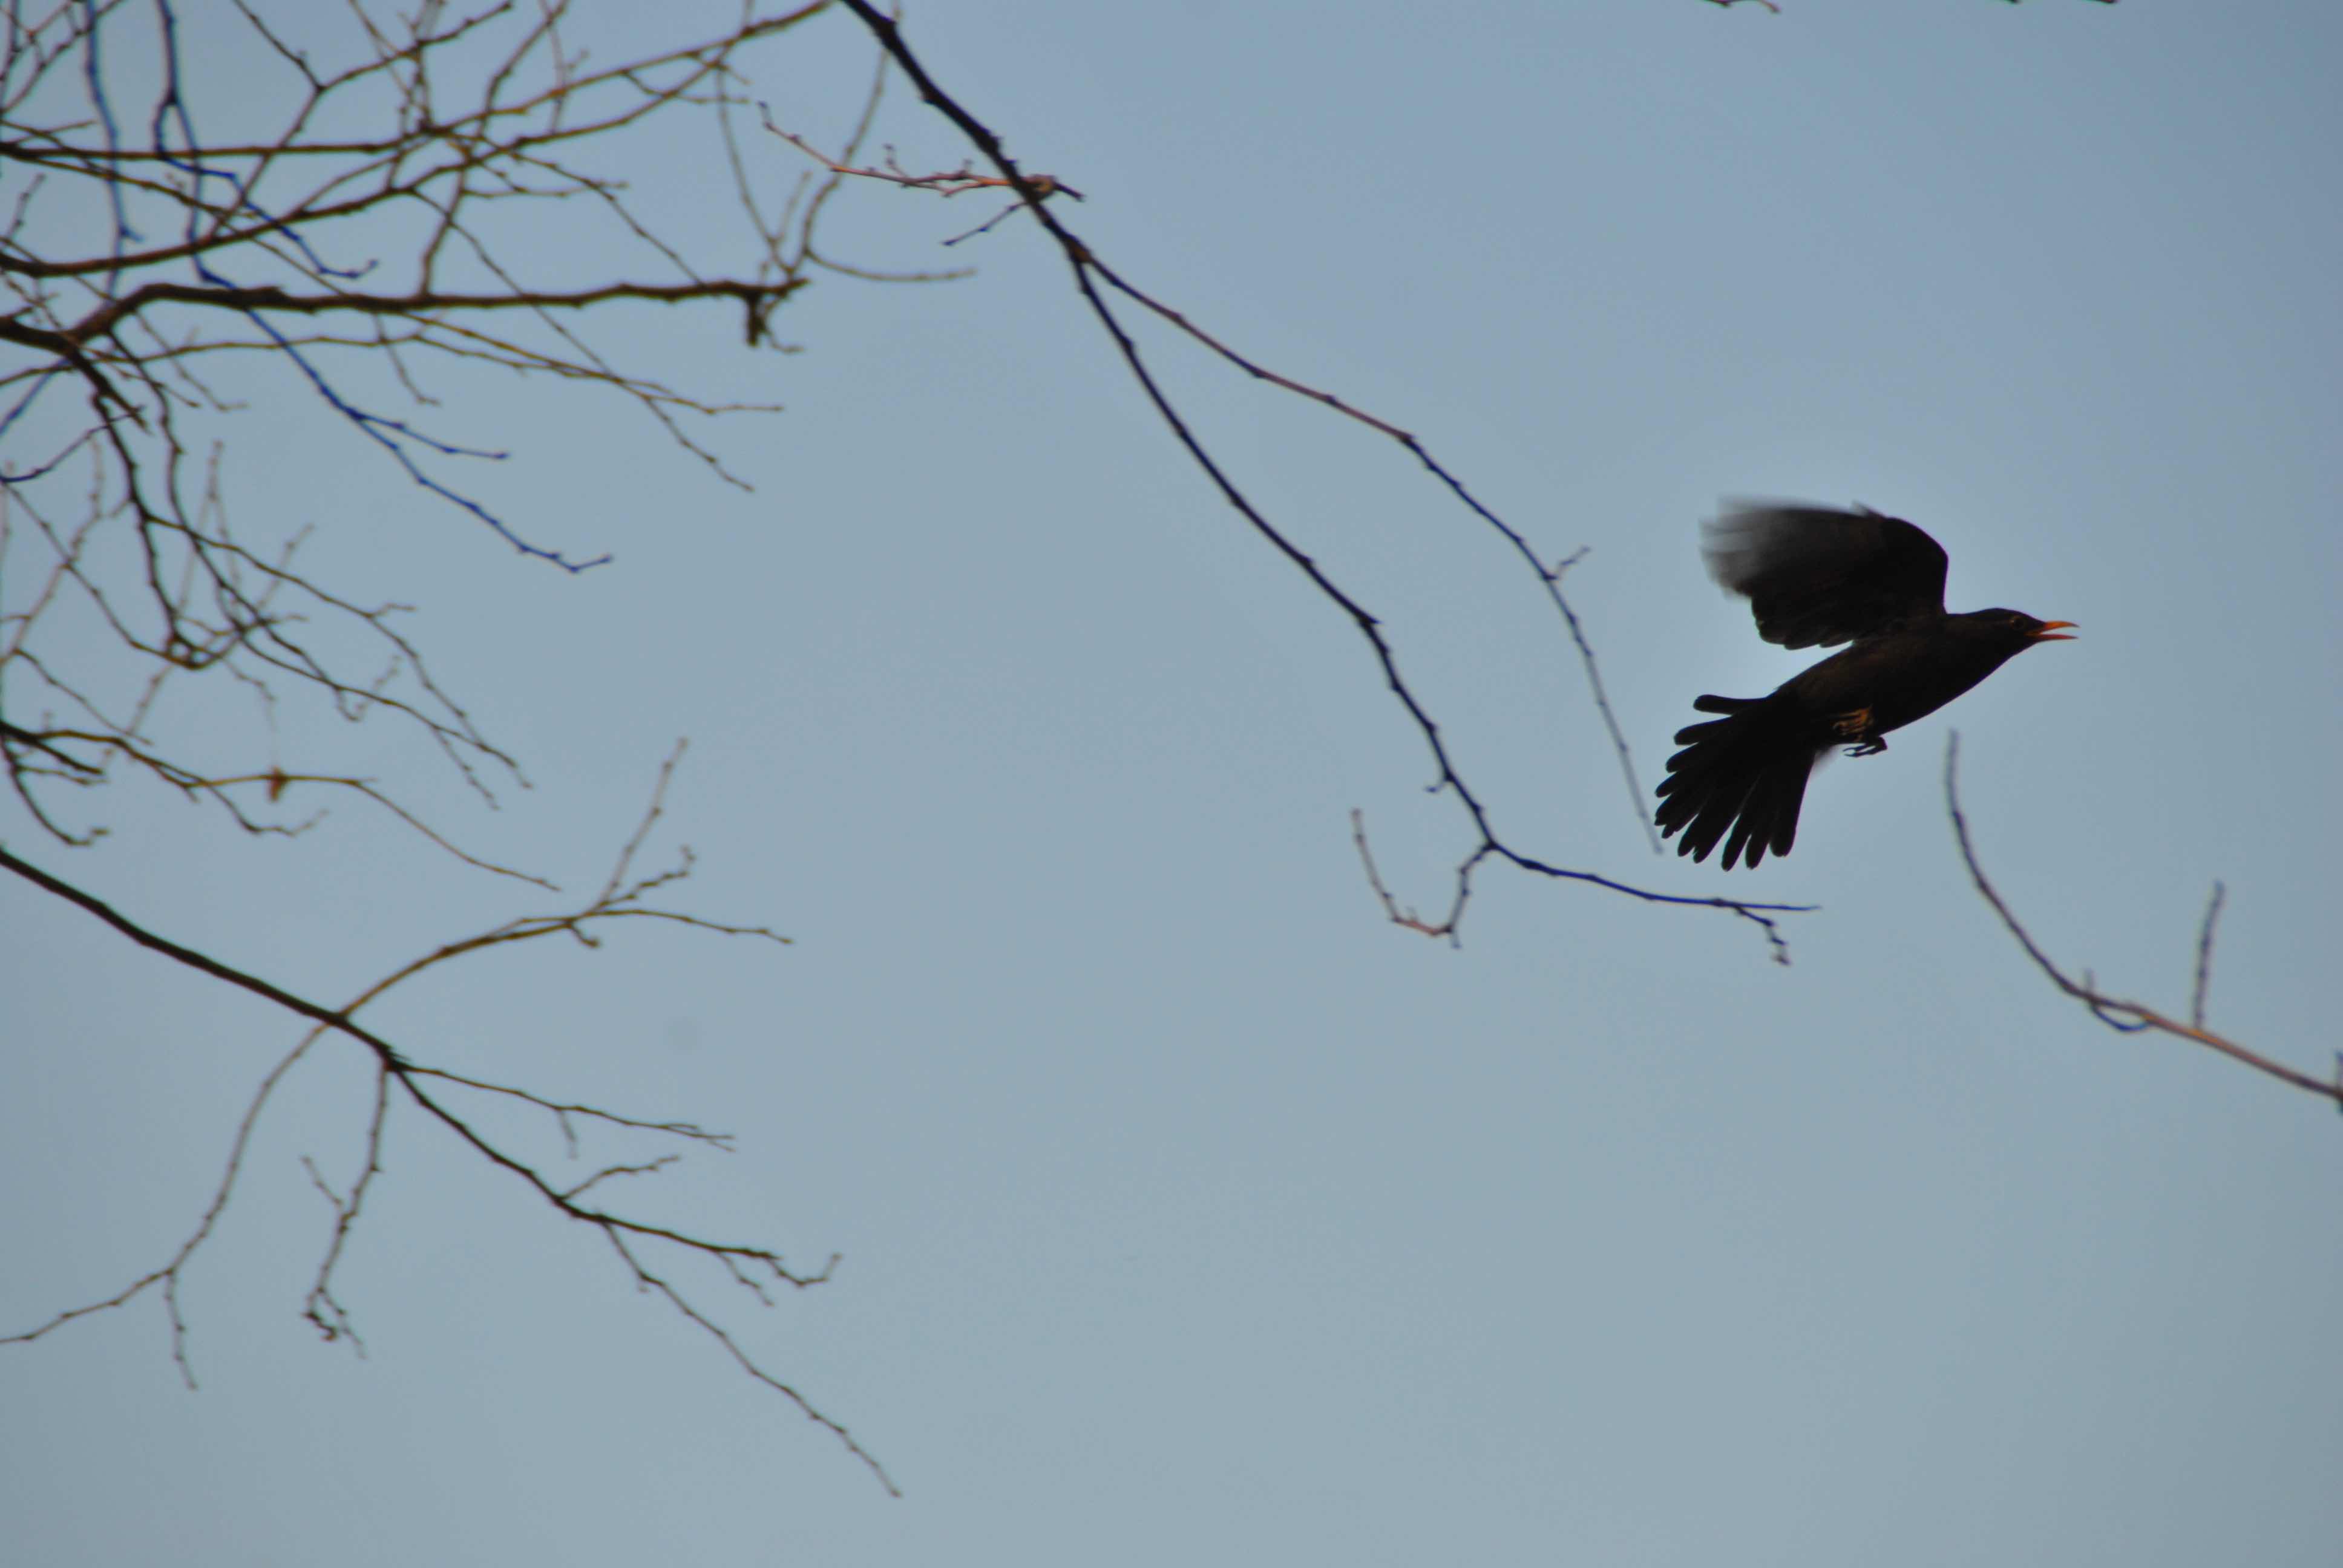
{"points": [[1745, 773]]}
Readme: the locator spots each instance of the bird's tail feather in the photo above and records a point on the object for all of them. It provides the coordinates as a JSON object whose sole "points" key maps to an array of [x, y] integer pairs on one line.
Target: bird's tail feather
{"points": [[1744, 775]]}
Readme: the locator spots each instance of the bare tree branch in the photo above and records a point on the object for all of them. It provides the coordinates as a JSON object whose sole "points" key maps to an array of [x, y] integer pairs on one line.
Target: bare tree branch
{"points": [[2123, 1016], [151, 277], [272, 298], [1089, 272], [226, 251], [746, 1264]]}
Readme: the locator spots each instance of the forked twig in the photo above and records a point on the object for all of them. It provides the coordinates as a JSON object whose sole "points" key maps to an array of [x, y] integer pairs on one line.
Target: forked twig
{"points": [[748, 1265], [2125, 1017]]}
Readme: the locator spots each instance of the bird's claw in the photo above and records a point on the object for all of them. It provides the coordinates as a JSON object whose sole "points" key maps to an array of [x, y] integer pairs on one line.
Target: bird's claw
{"points": [[1856, 727]]}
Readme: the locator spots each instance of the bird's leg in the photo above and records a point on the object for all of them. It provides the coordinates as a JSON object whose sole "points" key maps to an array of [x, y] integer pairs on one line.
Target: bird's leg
{"points": [[1856, 727]]}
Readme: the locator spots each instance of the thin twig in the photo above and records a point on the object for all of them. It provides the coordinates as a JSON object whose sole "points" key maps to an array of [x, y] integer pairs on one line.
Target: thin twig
{"points": [[2204, 957]]}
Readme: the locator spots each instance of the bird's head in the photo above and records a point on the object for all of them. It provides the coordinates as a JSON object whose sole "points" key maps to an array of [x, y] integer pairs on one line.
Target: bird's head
{"points": [[2020, 629]]}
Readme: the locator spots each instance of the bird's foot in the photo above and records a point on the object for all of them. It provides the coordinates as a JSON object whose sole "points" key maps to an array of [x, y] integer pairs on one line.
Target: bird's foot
{"points": [[1856, 727]]}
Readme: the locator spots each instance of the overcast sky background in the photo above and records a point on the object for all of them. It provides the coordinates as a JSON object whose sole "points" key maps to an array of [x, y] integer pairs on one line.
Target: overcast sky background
{"points": [[1190, 1211]]}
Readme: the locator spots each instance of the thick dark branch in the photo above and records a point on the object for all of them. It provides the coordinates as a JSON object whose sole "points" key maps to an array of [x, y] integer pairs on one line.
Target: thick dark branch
{"points": [[198, 962], [69, 350], [271, 298]]}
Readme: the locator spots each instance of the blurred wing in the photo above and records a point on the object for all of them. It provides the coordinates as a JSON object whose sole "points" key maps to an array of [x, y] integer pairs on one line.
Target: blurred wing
{"points": [[1815, 577]]}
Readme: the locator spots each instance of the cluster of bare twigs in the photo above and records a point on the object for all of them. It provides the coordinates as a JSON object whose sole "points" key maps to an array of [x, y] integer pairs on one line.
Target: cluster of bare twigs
{"points": [[625, 895], [350, 225], [146, 257]]}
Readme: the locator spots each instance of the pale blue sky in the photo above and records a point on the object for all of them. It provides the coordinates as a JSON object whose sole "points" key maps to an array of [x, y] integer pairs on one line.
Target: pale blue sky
{"points": [[1189, 1211]]}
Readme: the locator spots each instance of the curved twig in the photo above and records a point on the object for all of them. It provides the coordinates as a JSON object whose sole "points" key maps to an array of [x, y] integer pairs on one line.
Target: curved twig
{"points": [[2124, 1016]]}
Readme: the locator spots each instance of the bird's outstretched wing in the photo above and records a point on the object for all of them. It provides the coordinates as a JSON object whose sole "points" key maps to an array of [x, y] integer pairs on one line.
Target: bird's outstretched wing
{"points": [[1817, 577]]}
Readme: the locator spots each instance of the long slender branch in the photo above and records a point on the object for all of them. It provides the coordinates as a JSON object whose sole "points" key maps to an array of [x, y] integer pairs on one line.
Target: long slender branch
{"points": [[270, 297], [1086, 267], [1549, 576], [2125, 1017], [200, 962]]}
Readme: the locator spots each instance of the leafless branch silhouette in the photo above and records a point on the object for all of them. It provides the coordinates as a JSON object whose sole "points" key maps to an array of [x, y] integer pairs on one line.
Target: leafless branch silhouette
{"points": [[622, 896], [367, 248], [1093, 278], [2124, 1016]]}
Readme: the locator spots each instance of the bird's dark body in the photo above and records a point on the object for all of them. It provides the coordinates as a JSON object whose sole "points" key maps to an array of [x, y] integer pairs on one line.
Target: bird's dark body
{"points": [[1815, 576]]}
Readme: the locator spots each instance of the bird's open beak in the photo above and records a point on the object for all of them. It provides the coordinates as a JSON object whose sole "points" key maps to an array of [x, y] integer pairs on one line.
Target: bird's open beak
{"points": [[2050, 632]]}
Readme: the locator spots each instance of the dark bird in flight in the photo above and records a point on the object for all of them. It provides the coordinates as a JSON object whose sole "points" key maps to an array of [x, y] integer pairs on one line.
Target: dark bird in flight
{"points": [[1817, 577]]}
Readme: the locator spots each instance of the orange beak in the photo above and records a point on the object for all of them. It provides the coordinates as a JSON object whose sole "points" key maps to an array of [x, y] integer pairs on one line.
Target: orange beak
{"points": [[2050, 632]]}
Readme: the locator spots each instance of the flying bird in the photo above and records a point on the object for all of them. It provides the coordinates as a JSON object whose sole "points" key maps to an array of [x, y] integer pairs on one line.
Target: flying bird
{"points": [[1817, 577]]}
